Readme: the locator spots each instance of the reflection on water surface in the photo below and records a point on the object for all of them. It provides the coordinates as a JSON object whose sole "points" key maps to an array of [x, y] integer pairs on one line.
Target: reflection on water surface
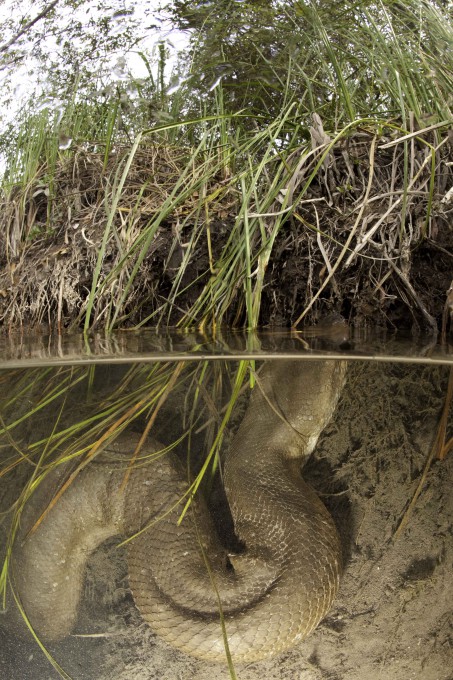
{"points": [[126, 346]]}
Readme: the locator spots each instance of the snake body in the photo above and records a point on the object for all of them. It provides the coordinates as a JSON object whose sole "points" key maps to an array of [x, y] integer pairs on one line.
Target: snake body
{"points": [[271, 595]]}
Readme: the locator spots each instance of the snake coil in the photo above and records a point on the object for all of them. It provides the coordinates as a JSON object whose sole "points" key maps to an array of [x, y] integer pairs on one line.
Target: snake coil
{"points": [[271, 595]]}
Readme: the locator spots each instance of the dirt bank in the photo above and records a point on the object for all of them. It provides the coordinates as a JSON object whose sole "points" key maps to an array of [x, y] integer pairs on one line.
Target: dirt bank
{"points": [[361, 227]]}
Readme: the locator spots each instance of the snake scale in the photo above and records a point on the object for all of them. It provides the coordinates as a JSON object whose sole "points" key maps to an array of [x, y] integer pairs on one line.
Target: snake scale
{"points": [[272, 594]]}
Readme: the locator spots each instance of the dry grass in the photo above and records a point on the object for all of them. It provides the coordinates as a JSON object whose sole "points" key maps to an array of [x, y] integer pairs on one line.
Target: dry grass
{"points": [[159, 234]]}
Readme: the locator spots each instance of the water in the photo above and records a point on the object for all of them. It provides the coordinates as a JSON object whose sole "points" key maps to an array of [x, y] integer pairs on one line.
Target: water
{"points": [[20, 350], [392, 604], [299, 147]]}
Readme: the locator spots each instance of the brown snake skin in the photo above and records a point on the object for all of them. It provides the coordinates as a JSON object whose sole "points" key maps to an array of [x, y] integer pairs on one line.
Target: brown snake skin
{"points": [[271, 595]]}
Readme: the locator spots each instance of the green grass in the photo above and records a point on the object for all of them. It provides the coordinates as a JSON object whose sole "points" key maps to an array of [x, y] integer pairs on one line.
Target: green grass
{"points": [[234, 181], [256, 185], [389, 73]]}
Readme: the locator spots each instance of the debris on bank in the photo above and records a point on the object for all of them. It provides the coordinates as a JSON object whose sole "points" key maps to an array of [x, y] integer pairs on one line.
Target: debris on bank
{"points": [[360, 225]]}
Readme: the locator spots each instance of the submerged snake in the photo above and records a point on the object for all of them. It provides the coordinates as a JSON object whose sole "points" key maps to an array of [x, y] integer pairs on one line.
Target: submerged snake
{"points": [[271, 594]]}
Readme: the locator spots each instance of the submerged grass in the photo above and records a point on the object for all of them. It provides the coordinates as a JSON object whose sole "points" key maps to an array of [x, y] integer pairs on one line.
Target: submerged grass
{"points": [[64, 429], [66, 416]]}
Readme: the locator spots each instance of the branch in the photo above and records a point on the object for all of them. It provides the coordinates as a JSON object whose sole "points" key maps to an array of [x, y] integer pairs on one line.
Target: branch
{"points": [[46, 10]]}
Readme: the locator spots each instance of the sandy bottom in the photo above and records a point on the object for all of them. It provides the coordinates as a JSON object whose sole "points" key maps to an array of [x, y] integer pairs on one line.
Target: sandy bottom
{"points": [[393, 617]]}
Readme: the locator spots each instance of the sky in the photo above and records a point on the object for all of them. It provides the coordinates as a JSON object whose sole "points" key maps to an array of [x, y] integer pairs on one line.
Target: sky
{"points": [[119, 66]]}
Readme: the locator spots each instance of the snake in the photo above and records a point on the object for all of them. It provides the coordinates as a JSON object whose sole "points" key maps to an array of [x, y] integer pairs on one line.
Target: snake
{"points": [[257, 601]]}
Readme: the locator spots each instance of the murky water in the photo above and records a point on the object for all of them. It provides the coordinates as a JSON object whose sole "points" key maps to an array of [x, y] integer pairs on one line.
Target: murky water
{"points": [[371, 457]]}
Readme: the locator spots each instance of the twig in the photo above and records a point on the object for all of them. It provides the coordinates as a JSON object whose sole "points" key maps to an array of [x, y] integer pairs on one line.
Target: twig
{"points": [[430, 320], [31, 23], [417, 134], [348, 240], [447, 314], [392, 207], [438, 448]]}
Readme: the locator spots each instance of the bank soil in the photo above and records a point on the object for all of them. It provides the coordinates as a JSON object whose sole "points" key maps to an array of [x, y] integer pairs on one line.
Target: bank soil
{"points": [[361, 225], [393, 617]]}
